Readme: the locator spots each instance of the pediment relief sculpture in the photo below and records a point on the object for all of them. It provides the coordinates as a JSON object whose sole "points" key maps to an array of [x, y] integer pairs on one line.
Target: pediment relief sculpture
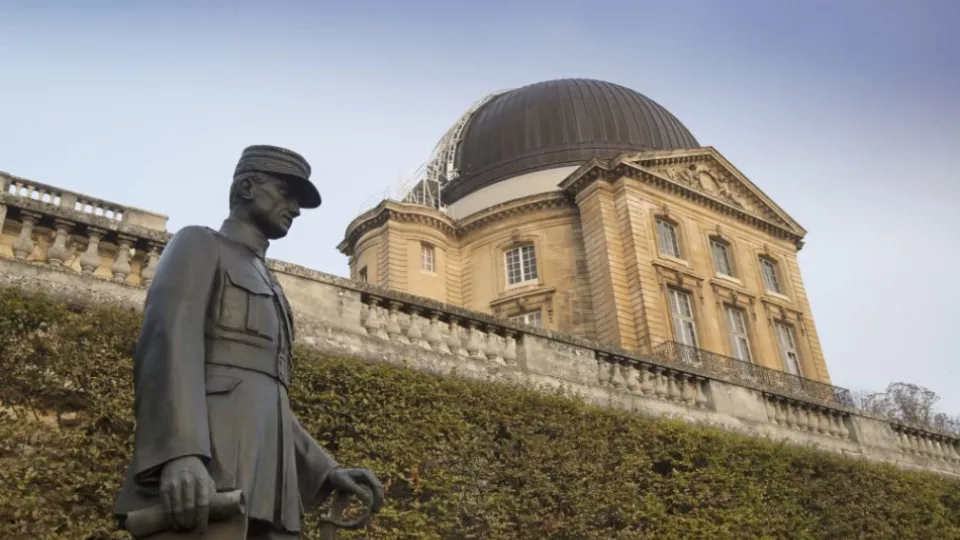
{"points": [[711, 179]]}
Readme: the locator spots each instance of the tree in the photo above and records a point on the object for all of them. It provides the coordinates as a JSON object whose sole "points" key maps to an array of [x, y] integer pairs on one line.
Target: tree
{"points": [[909, 403]]}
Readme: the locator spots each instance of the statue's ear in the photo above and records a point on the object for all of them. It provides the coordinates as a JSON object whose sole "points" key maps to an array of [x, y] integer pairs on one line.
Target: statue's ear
{"points": [[245, 189]]}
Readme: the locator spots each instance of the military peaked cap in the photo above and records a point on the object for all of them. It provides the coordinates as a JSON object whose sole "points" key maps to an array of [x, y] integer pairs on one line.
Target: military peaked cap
{"points": [[284, 163]]}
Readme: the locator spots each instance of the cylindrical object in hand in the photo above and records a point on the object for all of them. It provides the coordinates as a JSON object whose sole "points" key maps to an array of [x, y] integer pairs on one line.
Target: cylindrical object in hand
{"points": [[152, 520]]}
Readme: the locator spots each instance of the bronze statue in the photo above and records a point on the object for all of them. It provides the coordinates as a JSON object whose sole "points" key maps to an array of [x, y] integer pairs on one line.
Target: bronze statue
{"points": [[211, 373]]}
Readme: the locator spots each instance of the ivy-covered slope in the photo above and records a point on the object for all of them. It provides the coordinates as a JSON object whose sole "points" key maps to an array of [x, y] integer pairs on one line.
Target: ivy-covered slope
{"points": [[460, 459]]}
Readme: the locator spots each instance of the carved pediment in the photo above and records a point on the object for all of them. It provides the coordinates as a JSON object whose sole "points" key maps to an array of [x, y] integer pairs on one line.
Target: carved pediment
{"points": [[710, 174]]}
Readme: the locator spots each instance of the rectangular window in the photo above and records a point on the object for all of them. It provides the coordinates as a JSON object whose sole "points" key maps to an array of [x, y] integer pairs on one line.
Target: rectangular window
{"points": [[721, 257], [521, 265], [684, 326], [532, 318], [362, 275], [739, 341], [667, 237], [788, 348], [427, 257], [771, 280]]}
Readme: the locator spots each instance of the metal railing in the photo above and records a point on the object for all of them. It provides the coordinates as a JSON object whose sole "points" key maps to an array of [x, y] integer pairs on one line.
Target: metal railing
{"points": [[773, 380]]}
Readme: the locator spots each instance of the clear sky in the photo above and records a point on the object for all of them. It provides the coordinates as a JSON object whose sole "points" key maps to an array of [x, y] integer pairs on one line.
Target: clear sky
{"points": [[846, 112]]}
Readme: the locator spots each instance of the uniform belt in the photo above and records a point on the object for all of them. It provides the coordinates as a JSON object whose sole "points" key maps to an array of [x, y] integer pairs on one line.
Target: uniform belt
{"points": [[274, 363]]}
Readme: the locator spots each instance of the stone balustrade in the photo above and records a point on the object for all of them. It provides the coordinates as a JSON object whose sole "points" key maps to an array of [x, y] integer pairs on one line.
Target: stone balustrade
{"points": [[79, 256], [42, 223]]}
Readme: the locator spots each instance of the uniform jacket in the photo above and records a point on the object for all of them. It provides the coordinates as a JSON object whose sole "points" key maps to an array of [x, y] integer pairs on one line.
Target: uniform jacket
{"points": [[211, 373]]}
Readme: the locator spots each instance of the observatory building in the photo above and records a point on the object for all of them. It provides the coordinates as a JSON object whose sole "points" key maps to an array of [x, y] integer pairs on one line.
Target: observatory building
{"points": [[586, 208]]}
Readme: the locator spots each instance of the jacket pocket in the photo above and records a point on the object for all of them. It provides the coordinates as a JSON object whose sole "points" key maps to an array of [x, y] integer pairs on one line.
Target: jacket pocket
{"points": [[221, 384], [247, 306]]}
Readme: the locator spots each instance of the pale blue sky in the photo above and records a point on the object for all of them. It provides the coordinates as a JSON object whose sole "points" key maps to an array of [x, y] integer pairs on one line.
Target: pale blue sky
{"points": [[846, 112]]}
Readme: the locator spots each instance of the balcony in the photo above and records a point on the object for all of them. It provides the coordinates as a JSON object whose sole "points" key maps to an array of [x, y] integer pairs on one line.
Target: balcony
{"points": [[767, 379]]}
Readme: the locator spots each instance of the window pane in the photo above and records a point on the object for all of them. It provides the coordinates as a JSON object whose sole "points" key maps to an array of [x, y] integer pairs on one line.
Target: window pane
{"points": [[721, 258], [667, 238]]}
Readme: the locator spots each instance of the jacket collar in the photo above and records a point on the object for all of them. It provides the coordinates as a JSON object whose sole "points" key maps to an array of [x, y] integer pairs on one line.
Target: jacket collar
{"points": [[246, 235]]}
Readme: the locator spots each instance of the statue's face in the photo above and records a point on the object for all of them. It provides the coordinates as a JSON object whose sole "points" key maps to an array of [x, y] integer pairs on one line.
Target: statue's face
{"points": [[274, 206]]}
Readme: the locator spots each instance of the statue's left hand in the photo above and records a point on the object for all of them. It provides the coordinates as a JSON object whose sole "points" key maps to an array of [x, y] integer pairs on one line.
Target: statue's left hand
{"points": [[353, 481]]}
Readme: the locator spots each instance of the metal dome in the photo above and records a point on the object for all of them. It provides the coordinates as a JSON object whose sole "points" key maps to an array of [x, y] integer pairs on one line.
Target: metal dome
{"points": [[557, 123]]}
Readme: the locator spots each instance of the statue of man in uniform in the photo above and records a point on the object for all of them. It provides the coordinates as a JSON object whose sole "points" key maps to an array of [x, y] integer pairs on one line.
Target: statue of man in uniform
{"points": [[212, 371]]}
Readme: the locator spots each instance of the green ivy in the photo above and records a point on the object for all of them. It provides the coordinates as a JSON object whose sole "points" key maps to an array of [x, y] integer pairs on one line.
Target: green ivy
{"points": [[459, 458]]}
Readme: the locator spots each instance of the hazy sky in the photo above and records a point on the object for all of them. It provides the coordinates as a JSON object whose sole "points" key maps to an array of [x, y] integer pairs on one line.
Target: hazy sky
{"points": [[846, 112]]}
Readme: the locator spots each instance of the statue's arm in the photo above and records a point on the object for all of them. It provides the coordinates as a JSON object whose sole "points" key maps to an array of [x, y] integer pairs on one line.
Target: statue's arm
{"points": [[314, 465], [170, 402]]}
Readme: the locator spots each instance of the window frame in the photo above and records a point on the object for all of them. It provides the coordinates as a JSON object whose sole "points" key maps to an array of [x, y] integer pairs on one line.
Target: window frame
{"points": [[677, 320], [733, 334], [788, 331], [526, 276], [428, 254], [766, 261], [674, 228], [714, 241], [522, 318]]}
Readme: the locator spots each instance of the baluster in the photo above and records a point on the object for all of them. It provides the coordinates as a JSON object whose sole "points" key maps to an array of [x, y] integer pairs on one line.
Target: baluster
{"points": [[434, 335], [414, 334], [57, 254], [90, 261], [700, 391], [393, 323], [23, 245], [771, 409], [672, 386], [510, 351], [473, 341], [629, 375], [646, 380], [121, 266], [373, 324], [659, 385], [453, 339], [687, 391], [149, 270], [492, 345]]}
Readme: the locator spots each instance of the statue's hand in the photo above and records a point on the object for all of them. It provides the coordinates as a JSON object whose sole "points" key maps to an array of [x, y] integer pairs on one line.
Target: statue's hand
{"points": [[360, 482], [185, 488]]}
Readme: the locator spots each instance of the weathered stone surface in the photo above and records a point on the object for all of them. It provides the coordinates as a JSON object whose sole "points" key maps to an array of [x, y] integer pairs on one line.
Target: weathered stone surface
{"points": [[334, 315]]}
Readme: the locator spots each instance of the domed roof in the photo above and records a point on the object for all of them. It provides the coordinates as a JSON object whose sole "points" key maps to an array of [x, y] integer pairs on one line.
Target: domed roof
{"points": [[557, 123]]}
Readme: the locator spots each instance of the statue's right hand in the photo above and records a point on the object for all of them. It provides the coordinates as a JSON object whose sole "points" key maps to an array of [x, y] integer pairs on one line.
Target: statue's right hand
{"points": [[185, 488]]}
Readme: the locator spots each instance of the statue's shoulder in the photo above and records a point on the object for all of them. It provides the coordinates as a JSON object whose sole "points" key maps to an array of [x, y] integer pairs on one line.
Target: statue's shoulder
{"points": [[193, 238]]}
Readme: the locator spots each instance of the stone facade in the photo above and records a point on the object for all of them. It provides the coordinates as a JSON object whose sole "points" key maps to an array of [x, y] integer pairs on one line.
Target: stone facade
{"points": [[376, 323], [621, 248]]}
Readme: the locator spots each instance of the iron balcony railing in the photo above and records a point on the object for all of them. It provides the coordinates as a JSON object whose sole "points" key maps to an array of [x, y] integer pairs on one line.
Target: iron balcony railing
{"points": [[772, 379]]}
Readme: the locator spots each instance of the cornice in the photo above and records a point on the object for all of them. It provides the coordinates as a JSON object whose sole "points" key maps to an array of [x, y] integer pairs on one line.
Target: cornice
{"points": [[398, 212], [412, 213], [516, 207]]}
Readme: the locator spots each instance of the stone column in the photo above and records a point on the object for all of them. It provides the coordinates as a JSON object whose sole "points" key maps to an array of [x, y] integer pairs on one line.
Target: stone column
{"points": [[121, 266], [23, 245], [90, 261], [57, 254], [148, 270]]}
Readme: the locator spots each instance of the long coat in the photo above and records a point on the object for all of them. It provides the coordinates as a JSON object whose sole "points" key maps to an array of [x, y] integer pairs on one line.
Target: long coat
{"points": [[211, 373]]}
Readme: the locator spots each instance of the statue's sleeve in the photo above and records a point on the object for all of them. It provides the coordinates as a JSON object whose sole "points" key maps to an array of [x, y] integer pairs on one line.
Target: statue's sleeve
{"points": [[170, 396], [314, 465]]}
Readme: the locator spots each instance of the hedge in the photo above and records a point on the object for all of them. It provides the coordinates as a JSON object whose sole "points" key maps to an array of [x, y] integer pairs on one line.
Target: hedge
{"points": [[459, 458]]}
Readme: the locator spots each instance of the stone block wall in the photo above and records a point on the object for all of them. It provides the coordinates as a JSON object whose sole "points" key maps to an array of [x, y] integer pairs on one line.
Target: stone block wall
{"points": [[347, 318]]}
